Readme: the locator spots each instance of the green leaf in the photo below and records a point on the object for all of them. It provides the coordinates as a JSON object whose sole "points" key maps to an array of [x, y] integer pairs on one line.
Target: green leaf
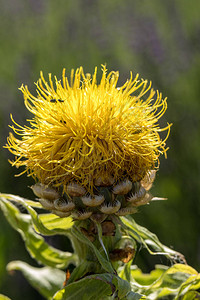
{"points": [[46, 224], [191, 284], [125, 271], [174, 276], [47, 281], [147, 279], [81, 270], [147, 238], [98, 286], [89, 288], [123, 287], [3, 297], [34, 242], [84, 268], [191, 295], [19, 199], [134, 296], [176, 281], [53, 222]]}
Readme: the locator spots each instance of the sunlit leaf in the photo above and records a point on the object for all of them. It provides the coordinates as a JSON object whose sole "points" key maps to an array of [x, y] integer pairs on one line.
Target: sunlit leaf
{"points": [[46, 224], [47, 281], [174, 276], [98, 286], [191, 295], [3, 297], [55, 223], [149, 278], [191, 284], [176, 281], [34, 242]]}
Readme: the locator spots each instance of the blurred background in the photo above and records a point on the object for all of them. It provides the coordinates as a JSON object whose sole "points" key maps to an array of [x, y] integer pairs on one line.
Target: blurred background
{"points": [[158, 39]]}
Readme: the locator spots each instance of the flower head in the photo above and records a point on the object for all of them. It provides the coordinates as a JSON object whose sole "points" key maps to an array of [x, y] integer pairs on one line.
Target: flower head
{"points": [[87, 132]]}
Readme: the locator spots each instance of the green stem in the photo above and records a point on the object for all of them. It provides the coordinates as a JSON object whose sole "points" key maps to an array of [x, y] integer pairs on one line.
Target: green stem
{"points": [[100, 239], [92, 247]]}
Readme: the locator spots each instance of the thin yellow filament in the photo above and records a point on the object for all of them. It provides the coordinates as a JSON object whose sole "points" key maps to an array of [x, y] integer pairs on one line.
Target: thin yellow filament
{"points": [[83, 130]]}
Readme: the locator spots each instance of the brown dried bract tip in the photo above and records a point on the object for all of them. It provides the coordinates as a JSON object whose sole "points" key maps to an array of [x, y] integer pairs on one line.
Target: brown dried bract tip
{"points": [[146, 199], [61, 214], [88, 234], [137, 196], [81, 215], [98, 217], [126, 211], [108, 228], [75, 190], [104, 182], [123, 187], [110, 208], [148, 180], [62, 205], [45, 192], [93, 201], [125, 255], [47, 204]]}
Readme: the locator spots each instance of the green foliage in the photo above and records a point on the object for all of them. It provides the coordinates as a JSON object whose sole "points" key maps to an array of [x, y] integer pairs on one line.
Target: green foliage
{"points": [[35, 243], [47, 224], [178, 282], [90, 288], [147, 239], [46, 280], [126, 282], [98, 287]]}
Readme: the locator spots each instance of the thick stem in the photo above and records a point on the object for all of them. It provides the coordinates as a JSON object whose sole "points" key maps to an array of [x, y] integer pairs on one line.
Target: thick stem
{"points": [[93, 242]]}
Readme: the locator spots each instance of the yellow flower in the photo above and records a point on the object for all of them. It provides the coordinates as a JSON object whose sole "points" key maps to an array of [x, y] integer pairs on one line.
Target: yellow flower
{"points": [[84, 132]]}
